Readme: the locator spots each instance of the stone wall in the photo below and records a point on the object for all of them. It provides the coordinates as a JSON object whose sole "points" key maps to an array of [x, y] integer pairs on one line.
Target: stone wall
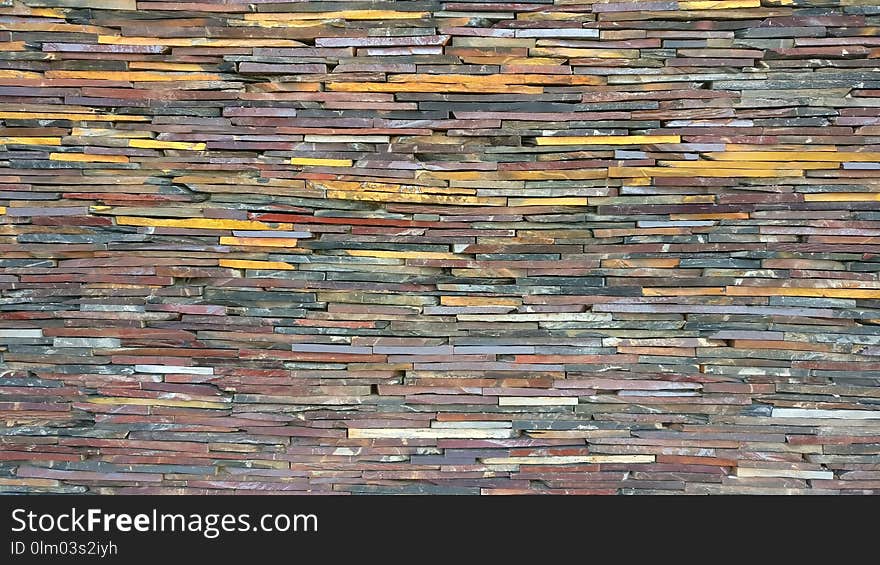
{"points": [[439, 247]]}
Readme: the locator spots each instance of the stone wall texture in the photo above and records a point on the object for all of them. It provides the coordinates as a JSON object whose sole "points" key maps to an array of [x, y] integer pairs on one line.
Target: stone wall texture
{"points": [[549, 247]]}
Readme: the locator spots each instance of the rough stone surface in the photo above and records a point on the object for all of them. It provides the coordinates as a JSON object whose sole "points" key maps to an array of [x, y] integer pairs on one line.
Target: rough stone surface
{"points": [[570, 247]]}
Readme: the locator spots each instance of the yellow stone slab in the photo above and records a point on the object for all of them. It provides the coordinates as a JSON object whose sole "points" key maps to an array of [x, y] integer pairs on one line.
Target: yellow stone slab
{"points": [[842, 197], [457, 175], [400, 254], [770, 165], [12, 140], [258, 241], [199, 223], [424, 198], [570, 80], [786, 156], [626, 172], [38, 25], [29, 482], [790, 291], [88, 158], [321, 162], [608, 140], [267, 265], [638, 182], [479, 301], [687, 291], [339, 15], [196, 42], [9, 73], [158, 402], [718, 4], [7, 46], [157, 144], [2, 210], [432, 87], [48, 13], [133, 76], [72, 116]]}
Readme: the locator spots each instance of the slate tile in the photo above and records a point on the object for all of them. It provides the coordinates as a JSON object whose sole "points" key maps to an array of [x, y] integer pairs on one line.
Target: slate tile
{"points": [[460, 248]]}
